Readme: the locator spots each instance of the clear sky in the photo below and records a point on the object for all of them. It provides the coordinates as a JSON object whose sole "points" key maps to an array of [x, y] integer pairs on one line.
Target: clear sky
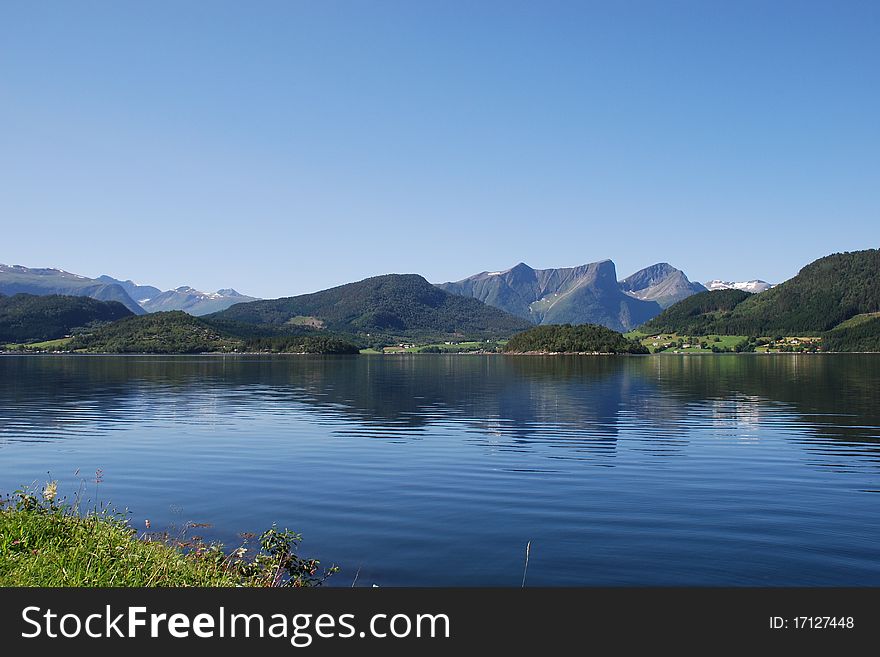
{"points": [[284, 147]]}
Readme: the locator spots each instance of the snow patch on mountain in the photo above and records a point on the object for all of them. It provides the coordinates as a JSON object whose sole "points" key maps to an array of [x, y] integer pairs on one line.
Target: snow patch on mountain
{"points": [[754, 286]]}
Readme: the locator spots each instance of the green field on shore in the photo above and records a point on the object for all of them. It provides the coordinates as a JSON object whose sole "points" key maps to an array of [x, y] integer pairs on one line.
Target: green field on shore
{"points": [[440, 347], [688, 344]]}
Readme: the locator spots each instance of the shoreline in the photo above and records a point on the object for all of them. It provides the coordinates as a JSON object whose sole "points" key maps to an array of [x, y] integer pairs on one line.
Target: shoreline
{"points": [[450, 353]]}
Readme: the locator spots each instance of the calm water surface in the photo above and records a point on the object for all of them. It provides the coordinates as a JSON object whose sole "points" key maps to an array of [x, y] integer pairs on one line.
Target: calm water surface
{"points": [[437, 470]]}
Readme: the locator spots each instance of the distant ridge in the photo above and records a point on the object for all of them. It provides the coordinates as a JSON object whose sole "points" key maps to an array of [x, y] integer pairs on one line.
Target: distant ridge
{"points": [[662, 283], [588, 294], [137, 292], [15, 279], [394, 304], [139, 299], [185, 298]]}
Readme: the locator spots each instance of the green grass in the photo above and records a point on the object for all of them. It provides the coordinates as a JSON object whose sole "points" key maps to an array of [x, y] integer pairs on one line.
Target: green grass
{"points": [[49, 344], [723, 341], [458, 347], [305, 320], [54, 549], [856, 321], [455, 348], [44, 544], [34, 346]]}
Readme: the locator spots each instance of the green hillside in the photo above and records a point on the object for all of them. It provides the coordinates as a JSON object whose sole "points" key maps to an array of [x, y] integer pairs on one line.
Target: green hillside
{"points": [[824, 294], [856, 321], [861, 333], [302, 344], [176, 332], [404, 305], [158, 333], [31, 318], [700, 314], [565, 338]]}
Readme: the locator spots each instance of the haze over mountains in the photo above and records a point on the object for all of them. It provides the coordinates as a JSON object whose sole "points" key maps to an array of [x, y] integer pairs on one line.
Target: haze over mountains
{"points": [[589, 293], [15, 279], [139, 299], [184, 298], [138, 293]]}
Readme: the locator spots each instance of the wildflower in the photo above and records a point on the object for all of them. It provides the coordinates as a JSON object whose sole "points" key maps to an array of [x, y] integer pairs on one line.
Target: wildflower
{"points": [[50, 491]]}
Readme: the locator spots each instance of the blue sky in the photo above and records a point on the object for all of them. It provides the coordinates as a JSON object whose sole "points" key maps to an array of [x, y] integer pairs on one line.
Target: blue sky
{"points": [[284, 147]]}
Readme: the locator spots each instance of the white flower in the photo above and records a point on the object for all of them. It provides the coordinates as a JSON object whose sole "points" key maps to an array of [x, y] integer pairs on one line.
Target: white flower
{"points": [[50, 491]]}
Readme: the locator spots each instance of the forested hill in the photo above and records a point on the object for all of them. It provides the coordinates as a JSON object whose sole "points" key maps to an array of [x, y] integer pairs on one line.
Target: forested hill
{"points": [[700, 314], [176, 332], [861, 333], [394, 304], [565, 338], [825, 293], [173, 332], [33, 318]]}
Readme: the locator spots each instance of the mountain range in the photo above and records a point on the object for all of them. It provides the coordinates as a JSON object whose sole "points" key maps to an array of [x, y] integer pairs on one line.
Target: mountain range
{"points": [[15, 279], [185, 298], [139, 299], [836, 298], [400, 305], [589, 293]]}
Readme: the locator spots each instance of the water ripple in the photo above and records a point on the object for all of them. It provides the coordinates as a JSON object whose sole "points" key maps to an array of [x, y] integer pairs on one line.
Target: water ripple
{"points": [[660, 470]]}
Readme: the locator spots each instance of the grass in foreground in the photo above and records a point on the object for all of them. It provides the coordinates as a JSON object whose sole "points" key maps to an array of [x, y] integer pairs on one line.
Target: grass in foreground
{"points": [[43, 543]]}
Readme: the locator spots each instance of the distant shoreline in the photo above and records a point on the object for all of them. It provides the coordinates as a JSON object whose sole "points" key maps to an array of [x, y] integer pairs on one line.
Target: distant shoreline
{"points": [[153, 353], [448, 353]]}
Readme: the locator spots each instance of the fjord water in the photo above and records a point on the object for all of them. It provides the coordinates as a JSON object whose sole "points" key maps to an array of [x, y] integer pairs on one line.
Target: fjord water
{"points": [[438, 470]]}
